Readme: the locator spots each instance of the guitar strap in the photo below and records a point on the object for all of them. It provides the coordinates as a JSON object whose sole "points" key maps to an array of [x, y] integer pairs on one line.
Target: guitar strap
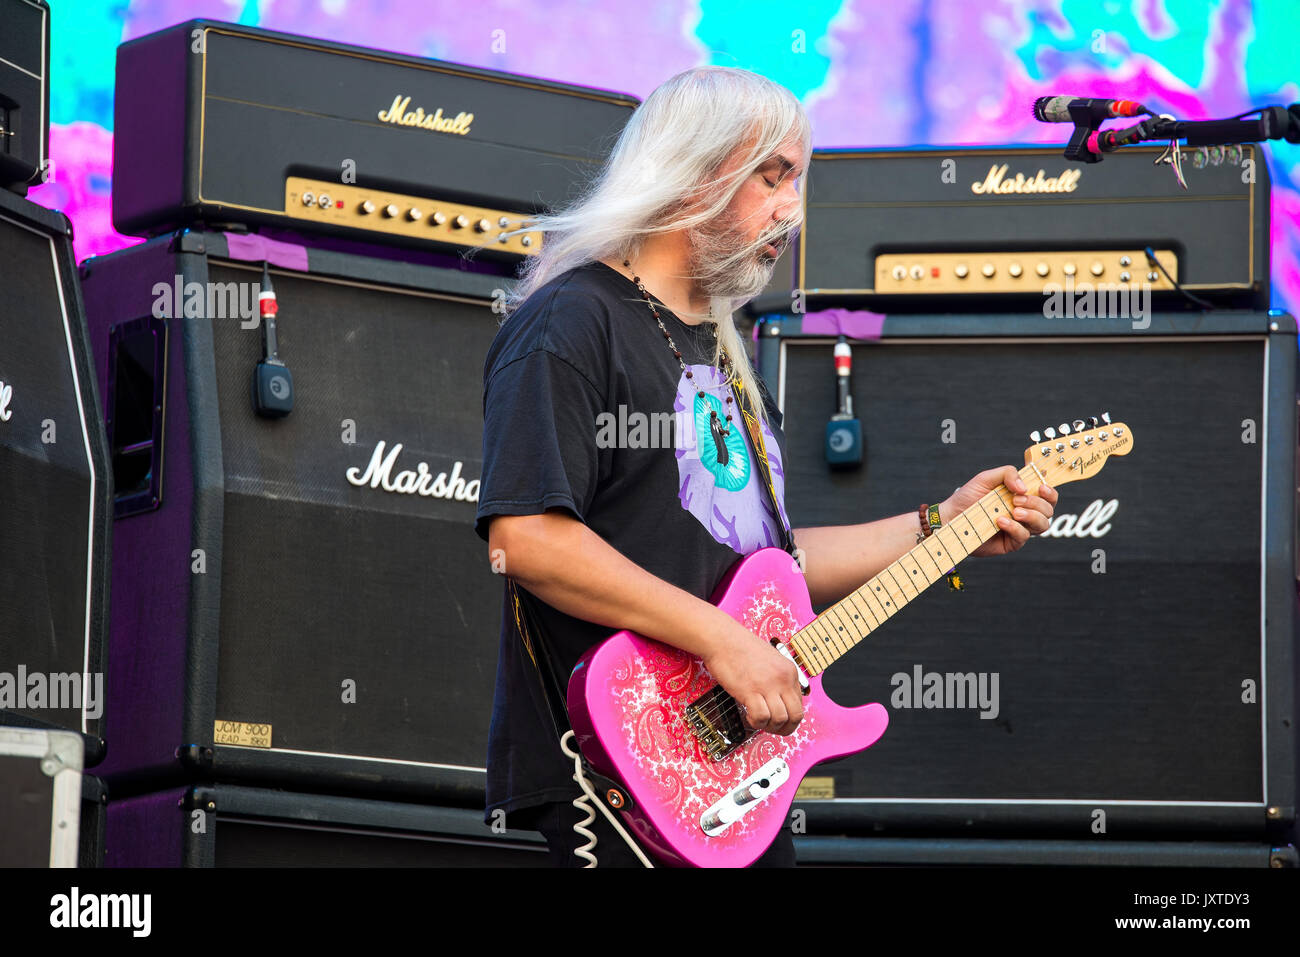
{"points": [[545, 667], [755, 431], [552, 688]]}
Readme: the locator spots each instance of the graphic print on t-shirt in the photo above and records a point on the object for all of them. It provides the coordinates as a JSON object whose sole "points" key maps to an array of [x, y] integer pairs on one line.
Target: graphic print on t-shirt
{"points": [[719, 481]]}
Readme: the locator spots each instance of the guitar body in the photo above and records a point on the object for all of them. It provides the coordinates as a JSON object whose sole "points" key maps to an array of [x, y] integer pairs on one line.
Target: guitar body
{"points": [[647, 715], [628, 699]]}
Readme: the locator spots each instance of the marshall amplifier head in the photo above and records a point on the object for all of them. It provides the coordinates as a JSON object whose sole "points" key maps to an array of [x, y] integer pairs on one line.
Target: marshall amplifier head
{"points": [[221, 123], [979, 229], [24, 93]]}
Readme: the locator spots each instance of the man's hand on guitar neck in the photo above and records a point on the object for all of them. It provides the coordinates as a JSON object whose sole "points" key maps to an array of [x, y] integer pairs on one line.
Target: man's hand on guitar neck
{"points": [[1031, 514], [839, 558]]}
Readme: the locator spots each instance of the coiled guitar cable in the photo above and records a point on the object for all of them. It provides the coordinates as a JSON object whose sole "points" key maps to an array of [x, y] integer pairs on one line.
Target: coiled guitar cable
{"points": [[587, 803]]}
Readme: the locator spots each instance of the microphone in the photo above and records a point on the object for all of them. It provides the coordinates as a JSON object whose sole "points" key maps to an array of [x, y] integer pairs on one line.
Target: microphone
{"points": [[843, 432], [1064, 109], [272, 383]]}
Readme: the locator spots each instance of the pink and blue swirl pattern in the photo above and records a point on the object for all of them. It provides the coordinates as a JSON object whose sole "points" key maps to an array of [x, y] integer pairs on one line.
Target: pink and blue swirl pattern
{"points": [[870, 72]]}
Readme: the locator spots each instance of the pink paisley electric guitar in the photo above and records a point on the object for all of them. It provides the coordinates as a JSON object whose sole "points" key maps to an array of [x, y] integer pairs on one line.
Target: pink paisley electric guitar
{"points": [[701, 788]]}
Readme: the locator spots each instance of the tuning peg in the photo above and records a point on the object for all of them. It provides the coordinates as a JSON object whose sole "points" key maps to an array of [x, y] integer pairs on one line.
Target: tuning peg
{"points": [[1065, 428], [1050, 433], [1035, 436], [1093, 422], [1078, 425], [1105, 417]]}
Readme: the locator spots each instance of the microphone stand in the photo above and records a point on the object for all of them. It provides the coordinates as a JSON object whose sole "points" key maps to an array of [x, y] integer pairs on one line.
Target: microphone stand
{"points": [[1088, 143]]}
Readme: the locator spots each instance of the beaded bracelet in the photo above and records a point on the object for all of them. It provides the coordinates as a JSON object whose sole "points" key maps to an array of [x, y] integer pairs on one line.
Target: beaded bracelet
{"points": [[929, 515], [930, 520]]}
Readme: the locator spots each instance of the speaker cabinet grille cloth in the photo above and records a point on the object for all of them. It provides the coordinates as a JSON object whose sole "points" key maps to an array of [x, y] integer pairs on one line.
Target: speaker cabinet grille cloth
{"points": [[1142, 652], [349, 626]]}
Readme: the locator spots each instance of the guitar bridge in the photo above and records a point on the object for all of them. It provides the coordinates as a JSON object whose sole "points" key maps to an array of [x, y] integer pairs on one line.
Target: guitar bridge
{"points": [[715, 720]]}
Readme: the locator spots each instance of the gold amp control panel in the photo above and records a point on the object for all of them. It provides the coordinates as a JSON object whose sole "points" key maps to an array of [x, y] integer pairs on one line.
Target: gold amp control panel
{"points": [[994, 272], [341, 204]]}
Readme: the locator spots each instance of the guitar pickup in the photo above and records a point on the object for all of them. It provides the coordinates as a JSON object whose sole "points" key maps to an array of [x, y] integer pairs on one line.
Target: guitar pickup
{"points": [[751, 792]]}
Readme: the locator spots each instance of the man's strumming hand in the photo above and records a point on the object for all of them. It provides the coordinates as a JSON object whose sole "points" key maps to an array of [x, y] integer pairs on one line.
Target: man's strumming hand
{"points": [[759, 677]]}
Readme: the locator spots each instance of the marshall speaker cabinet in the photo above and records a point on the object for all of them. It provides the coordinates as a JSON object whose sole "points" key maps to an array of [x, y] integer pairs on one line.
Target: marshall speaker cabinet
{"points": [[1134, 668], [259, 827], [54, 485], [298, 597]]}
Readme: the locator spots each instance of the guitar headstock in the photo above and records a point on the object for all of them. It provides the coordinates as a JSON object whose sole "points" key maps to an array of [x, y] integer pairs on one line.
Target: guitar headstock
{"points": [[1068, 453]]}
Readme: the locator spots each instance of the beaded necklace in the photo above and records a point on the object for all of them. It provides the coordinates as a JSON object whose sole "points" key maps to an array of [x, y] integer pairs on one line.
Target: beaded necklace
{"points": [[717, 426]]}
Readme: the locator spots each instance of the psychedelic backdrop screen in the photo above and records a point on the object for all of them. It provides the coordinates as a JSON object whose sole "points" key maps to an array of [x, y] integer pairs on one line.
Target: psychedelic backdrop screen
{"points": [[871, 73]]}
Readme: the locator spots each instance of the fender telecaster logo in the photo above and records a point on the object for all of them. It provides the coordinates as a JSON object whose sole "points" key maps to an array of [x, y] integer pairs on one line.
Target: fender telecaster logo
{"points": [[1085, 466]]}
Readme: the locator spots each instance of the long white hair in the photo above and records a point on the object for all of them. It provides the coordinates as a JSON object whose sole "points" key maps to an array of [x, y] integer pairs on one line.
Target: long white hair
{"points": [[663, 175]]}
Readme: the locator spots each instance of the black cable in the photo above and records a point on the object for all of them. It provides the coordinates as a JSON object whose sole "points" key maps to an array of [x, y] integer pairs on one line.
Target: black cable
{"points": [[1151, 258]]}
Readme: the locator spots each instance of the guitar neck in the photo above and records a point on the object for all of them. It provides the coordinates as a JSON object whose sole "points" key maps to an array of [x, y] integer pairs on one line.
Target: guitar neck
{"points": [[841, 626]]}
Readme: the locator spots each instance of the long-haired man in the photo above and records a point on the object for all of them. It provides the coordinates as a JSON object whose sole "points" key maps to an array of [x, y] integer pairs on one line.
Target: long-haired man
{"points": [[627, 310]]}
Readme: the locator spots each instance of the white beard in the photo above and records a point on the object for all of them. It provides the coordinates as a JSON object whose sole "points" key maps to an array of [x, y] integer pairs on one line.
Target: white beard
{"points": [[721, 267]]}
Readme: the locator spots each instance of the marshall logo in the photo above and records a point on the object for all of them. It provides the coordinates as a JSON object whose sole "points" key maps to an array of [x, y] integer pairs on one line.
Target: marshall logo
{"points": [[1093, 523], [6, 396], [997, 182], [397, 114], [421, 481]]}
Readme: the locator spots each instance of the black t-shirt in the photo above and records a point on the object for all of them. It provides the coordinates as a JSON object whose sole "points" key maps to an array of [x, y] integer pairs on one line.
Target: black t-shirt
{"points": [[585, 407]]}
